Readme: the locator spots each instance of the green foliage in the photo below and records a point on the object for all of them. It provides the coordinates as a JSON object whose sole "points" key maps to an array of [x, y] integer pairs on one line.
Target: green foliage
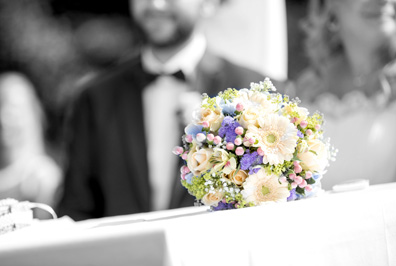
{"points": [[229, 94], [238, 198], [295, 157], [197, 187], [209, 103], [300, 191], [315, 119], [279, 169], [310, 181], [263, 86]]}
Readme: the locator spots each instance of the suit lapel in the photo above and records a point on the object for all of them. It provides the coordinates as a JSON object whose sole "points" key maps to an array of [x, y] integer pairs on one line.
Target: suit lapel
{"points": [[132, 130], [209, 79]]}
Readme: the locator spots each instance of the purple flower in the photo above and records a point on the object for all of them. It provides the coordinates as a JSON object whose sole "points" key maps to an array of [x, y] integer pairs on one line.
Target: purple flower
{"points": [[249, 160], [300, 134], [223, 206], [227, 129], [293, 195], [254, 170]]}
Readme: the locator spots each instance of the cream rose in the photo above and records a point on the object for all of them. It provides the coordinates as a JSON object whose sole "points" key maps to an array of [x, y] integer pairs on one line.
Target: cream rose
{"points": [[238, 178], [255, 98], [212, 199], [262, 100], [317, 160], [198, 161], [213, 117], [250, 116]]}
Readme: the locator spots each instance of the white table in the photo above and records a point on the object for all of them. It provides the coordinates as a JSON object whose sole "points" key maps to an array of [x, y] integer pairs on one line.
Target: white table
{"points": [[351, 228]]}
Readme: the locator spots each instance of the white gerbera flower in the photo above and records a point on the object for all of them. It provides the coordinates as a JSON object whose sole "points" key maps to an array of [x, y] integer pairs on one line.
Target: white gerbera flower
{"points": [[276, 136], [260, 188]]}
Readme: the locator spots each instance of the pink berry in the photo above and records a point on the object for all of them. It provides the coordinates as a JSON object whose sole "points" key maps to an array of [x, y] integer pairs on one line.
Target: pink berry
{"points": [[260, 151], [298, 180], [239, 151], [303, 184], [178, 150], [217, 140], [230, 146], [239, 131], [200, 137], [297, 168], [210, 137], [303, 124], [186, 170], [308, 175], [292, 176], [238, 141], [189, 138], [205, 124], [239, 107]]}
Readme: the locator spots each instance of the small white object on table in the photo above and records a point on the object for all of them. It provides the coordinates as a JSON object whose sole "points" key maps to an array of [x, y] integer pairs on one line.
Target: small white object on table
{"points": [[351, 228]]}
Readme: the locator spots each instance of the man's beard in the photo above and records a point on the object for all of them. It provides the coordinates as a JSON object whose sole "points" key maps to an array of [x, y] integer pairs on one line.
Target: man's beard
{"points": [[180, 36]]}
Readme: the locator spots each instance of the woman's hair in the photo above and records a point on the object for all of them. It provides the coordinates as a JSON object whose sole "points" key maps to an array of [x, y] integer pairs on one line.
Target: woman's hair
{"points": [[322, 40]]}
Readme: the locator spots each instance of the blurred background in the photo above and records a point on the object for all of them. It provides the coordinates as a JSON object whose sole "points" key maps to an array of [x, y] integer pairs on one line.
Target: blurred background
{"points": [[59, 44]]}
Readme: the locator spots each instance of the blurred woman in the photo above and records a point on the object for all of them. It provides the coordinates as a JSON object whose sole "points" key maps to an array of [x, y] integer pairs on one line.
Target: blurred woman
{"points": [[352, 81], [26, 172]]}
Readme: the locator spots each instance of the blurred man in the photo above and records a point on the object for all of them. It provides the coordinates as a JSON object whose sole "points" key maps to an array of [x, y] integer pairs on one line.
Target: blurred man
{"points": [[126, 122]]}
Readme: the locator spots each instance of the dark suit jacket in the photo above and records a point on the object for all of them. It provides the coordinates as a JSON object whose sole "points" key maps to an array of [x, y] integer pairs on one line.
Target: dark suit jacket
{"points": [[107, 173]]}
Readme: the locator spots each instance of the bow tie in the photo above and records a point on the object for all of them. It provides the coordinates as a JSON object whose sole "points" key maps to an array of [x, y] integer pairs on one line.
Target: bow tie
{"points": [[179, 75]]}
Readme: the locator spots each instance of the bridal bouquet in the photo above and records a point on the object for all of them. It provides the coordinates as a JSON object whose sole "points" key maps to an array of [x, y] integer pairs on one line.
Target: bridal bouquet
{"points": [[252, 146]]}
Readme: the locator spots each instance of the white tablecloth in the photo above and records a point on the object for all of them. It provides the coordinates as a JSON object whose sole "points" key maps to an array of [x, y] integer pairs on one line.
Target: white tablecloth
{"points": [[351, 228]]}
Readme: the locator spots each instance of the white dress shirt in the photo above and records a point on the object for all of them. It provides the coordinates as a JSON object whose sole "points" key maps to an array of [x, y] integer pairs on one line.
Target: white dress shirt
{"points": [[162, 99]]}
